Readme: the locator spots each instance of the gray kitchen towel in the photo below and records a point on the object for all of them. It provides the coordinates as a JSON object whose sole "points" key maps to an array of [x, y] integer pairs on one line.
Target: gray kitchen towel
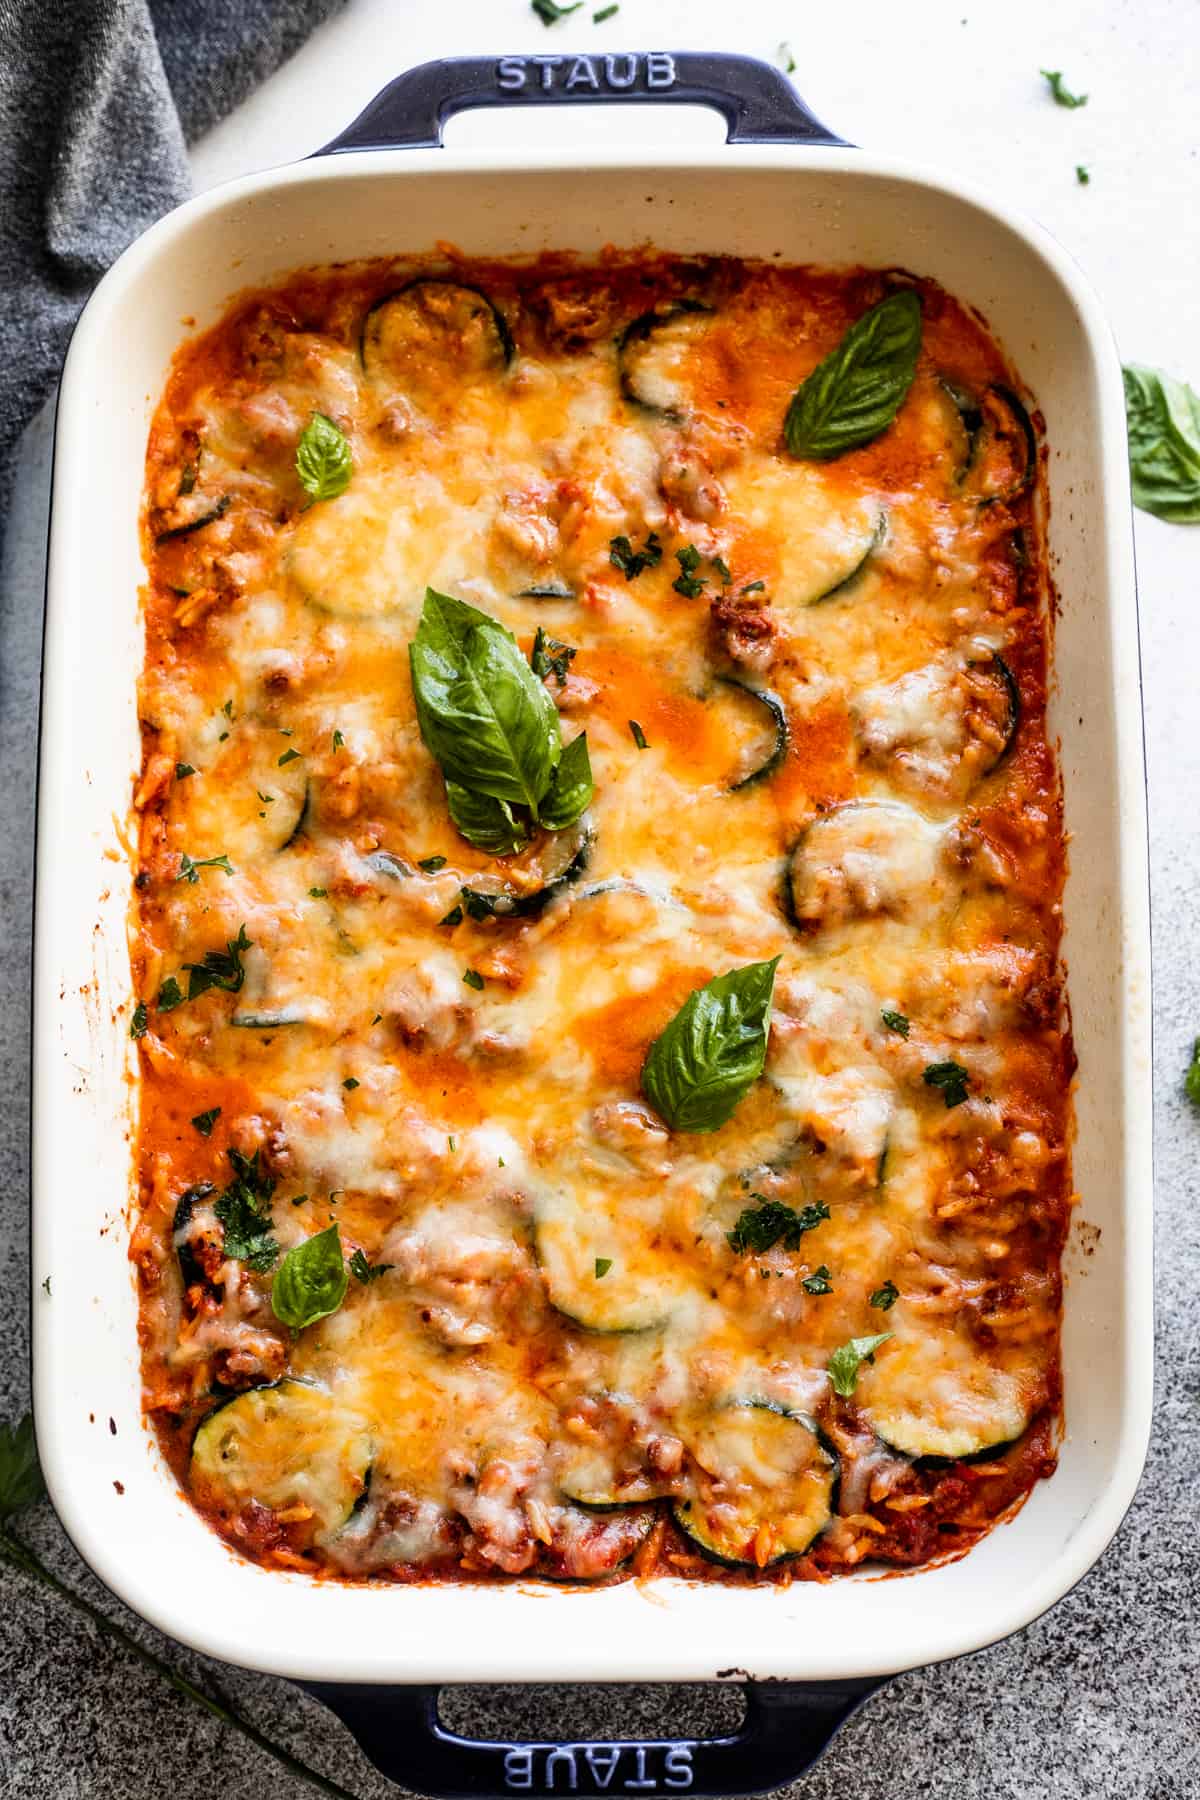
{"points": [[98, 101]]}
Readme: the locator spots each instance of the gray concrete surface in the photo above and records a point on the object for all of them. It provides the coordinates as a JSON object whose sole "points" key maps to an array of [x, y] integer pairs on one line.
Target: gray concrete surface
{"points": [[1101, 1698]]}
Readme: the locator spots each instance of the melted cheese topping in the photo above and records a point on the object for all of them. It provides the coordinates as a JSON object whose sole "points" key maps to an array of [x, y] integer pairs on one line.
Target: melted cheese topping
{"points": [[556, 1312]]}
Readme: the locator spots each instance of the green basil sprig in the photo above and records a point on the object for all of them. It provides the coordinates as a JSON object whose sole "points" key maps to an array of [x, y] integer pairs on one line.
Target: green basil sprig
{"points": [[847, 1359], [324, 464], [312, 1280], [857, 390], [713, 1050], [489, 721], [1163, 417]]}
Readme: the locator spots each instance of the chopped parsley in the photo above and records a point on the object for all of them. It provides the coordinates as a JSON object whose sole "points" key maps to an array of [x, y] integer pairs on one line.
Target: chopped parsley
{"points": [[205, 1121], [288, 756], [365, 1271], [639, 736], [339, 742], [189, 870], [46, 1288], [687, 582], [895, 1021], [245, 1215], [1063, 95], [951, 1078], [227, 709], [723, 570], [844, 1364], [885, 1297], [350, 1084], [183, 770], [606, 12], [453, 917], [140, 1022], [1082, 174], [473, 979], [603, 1265], [1191, 1081], [219, 969], [787, 61], [543, 663], [318, 893], [267, 799], [431, 864], [818, 1282], [769, 1223], [754, 587], [550, 12], [631, 562]]}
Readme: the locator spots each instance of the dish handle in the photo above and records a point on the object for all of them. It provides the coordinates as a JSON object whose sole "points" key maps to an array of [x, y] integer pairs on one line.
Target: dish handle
{"points": [[788, 1725], [759, 104]]}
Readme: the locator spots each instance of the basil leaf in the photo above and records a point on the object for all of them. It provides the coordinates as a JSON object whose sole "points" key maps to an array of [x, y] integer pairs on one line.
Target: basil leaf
{"points": [[1191, 1081], [488, 824], [324, 464], [713, 1050], [857, 390], [1163, 417], [482, 711], [311, 1282], [571, 788], [21, 1483], [844, 1364]]}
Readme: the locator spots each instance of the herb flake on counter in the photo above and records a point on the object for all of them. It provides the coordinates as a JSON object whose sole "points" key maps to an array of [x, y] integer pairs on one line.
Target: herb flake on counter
{"points": [[1191, 1081], [1061, 93], [549, 11], [606, 12], [787, 61], [1083, 174]]}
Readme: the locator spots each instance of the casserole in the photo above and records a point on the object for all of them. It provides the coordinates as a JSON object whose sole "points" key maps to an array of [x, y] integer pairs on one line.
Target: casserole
{"points": [[822, 206]]}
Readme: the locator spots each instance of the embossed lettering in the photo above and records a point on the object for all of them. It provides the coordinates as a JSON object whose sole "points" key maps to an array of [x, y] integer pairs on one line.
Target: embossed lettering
{"points": [[602, 1770], [660, 69], [640, 1780], [582, 74], [628, 75], [510, 72], [678, 1770], [548, 64], [518, 1768], [567, 1759]]}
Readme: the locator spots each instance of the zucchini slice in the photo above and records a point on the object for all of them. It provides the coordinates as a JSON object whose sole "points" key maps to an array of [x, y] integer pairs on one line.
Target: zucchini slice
{"points": [[761, 1487], [603, 1258], [936, 1395], [286, 1446], [435, 328], [241, 804], [994, 443], [862, 859], [531, 880], [764, 753], [351, 559], [836, 563], [652, 357], [585, 1547], [203, 511], [999, 704], [190, 1267]]}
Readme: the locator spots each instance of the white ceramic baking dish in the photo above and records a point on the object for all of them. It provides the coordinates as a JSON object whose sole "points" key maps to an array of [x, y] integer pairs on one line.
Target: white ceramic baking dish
{"points": [[794, 193]]}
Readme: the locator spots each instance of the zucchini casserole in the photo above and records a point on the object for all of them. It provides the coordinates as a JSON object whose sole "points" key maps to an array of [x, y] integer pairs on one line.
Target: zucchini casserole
{"points": [[604, 1080]]}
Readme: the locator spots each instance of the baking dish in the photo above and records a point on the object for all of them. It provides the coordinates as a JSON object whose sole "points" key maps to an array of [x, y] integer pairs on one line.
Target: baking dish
{"points": [[787, 189]]}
